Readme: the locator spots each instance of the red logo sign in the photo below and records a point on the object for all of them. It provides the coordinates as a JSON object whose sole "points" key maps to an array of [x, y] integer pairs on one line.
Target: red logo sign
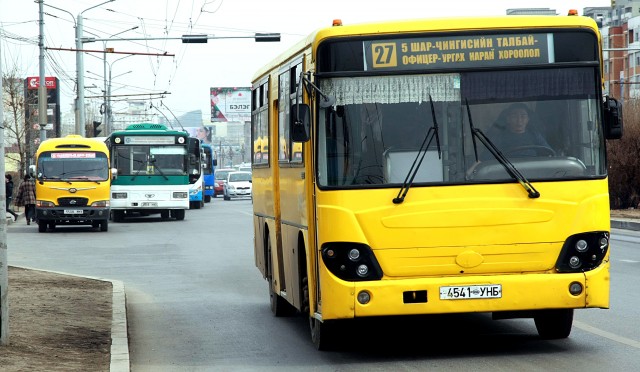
{"points": [[34, 82]]}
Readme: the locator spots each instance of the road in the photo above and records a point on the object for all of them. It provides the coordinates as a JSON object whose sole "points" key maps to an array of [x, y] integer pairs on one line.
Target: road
{"points": [[196, 302]]}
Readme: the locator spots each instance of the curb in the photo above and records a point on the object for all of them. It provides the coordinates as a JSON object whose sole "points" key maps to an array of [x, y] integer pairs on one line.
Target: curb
{"points": [[119, 338], [625, 224]]}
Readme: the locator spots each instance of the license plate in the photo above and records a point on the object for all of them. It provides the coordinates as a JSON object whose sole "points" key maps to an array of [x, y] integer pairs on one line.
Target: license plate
{"points": [[466, 292], [149, 204], [73, 211]]}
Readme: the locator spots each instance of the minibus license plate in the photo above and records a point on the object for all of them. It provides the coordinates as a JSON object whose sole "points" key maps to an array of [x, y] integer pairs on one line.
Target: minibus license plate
{"points": [[149, 204], [466, 292], [73, 211]]}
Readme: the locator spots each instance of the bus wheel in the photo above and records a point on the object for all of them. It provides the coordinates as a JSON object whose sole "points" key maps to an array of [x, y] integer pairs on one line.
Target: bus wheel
{"points": [[118, 216], [279, 306], [323, 334], [554, 324], [178, 214], [42, 226], [104, 225], [207, 198], [164, 215]]}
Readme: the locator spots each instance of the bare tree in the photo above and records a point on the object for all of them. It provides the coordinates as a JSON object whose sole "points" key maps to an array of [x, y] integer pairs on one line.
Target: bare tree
{"points": [[14, 101]]}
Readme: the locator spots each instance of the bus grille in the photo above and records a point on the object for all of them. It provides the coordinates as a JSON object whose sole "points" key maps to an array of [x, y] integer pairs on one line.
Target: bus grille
{"points": [[73, 202]]}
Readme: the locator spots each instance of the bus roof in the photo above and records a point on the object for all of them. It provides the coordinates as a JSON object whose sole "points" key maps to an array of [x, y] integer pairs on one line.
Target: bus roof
{"points": [[431, 25], [148, 129], [72, 142]]}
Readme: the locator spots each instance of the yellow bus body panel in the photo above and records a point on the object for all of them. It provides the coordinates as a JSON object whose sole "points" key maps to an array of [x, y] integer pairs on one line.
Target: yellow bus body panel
{"points": [[494, 234]]}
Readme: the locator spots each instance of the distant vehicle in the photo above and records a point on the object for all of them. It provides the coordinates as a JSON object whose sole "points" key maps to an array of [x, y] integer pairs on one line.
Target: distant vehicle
{"points": [[208, 170], [238, 185], [72, 183], [196, 175], [244, 167], [152, 163], [220, 179]]}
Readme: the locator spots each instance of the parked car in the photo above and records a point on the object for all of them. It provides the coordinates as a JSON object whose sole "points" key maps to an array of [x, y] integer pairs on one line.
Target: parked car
{"points": [[238, 185], [220, 179]]}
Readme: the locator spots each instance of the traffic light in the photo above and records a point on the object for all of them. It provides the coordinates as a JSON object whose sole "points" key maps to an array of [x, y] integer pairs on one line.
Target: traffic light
{"points": [[96, 130]]}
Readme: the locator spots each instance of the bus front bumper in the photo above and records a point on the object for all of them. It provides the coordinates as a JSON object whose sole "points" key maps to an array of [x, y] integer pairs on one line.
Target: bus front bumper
{"points": [[522, 292], [72, 215]]}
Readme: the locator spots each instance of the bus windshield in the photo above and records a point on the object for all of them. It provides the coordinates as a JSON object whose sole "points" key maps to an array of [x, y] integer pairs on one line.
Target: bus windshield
{"points": [[76, 165], [150, 160], [544, 121]]}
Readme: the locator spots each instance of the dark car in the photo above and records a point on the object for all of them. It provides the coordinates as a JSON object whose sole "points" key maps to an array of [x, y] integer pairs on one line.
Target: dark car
{"points": [[220, 179]]}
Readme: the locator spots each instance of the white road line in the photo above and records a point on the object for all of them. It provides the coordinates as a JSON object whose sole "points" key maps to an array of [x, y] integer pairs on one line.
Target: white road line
{"points": [[605, 334], [630, 261]]}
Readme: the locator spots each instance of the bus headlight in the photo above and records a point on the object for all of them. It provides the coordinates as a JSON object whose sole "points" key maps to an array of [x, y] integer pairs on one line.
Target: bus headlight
{"points": [[180, 195], [118, 195], [351, 261], [44, 204], [583, 252], [100, 204]]}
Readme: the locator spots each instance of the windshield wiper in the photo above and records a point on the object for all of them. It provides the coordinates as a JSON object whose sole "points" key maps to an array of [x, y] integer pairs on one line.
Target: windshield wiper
{"points": [[153, 161], [431, 134], [499, 156]]}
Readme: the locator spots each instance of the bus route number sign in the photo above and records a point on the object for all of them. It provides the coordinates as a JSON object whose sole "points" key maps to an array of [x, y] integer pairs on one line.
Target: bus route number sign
{"points": [[471, 292]]}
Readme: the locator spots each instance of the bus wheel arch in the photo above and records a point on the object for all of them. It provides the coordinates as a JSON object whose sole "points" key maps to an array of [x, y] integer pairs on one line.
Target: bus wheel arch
{"points": [[279, 306]]}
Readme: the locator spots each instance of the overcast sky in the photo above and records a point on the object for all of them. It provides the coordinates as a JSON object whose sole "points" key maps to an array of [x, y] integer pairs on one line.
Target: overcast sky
{"points": [[196, 68]]}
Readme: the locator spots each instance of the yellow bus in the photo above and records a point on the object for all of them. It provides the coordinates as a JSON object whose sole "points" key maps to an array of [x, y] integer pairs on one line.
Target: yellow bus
{"points": [[73, 182], [447, 166]]}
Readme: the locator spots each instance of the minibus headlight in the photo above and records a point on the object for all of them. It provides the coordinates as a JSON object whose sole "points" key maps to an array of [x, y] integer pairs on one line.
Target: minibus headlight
{"points": [[44, 204], [100, 204]]}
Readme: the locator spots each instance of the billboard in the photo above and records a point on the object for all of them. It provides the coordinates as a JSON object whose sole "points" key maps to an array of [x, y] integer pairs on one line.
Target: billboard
{"points": [[230, 104]]}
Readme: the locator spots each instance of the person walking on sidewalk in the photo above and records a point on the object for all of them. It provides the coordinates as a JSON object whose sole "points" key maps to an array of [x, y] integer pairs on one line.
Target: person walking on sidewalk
{"points": [[27, 197], [8, 179]]}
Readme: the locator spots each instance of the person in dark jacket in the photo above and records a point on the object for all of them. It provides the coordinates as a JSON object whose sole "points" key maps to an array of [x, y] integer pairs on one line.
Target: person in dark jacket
{"points": [[27, 197], [515, 136], [9, 195]]}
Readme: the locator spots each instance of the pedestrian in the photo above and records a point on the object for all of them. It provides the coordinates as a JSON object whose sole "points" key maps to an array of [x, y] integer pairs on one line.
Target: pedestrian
{"points": [[27, 197], [9, 195]]}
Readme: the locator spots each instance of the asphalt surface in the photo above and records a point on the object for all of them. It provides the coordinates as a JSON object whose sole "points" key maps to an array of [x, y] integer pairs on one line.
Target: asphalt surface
{"points": [[119, 345]]}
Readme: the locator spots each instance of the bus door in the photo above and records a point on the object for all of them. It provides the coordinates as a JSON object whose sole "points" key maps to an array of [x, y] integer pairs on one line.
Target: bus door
{"points": [[293, 186]]}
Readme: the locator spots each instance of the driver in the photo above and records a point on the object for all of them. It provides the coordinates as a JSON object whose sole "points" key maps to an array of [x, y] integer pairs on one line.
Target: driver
{"points": [[514, 135]]}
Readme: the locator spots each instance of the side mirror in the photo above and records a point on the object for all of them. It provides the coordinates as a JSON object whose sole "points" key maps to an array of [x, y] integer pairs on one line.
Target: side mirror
{"points": [[114, 173], [32, 170], [612, 118], [300, 119], [215, 162]]}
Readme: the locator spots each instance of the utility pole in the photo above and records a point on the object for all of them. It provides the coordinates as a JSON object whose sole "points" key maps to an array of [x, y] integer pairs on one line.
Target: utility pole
{"points": [[4, 267], [42, 88]]}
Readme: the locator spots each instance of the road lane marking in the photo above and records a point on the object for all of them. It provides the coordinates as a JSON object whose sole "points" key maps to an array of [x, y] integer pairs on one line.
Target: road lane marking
{"points": [[605, 334], [629, 261]]}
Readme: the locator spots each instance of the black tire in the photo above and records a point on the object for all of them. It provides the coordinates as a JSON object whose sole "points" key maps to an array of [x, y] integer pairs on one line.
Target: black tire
{"points": [[52, 226], [227, 197], [554, 324], [207, 198], [279, 306], [104, 225], [323, 334], [178, 214], [118, 216], [42, 226], [165, 215]]}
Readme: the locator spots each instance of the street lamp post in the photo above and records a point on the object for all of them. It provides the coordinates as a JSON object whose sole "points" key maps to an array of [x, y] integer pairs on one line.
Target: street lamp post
{"points": [[108, 122], [79, 104], [80, 119]]}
